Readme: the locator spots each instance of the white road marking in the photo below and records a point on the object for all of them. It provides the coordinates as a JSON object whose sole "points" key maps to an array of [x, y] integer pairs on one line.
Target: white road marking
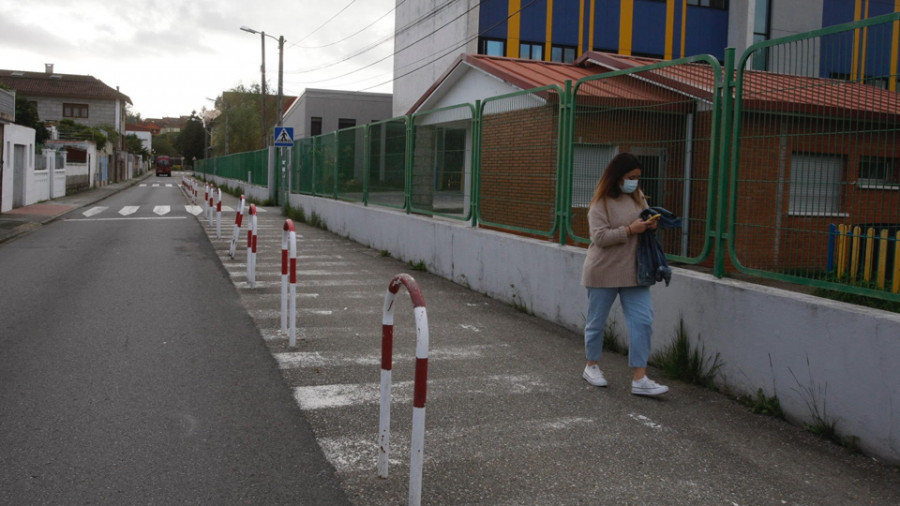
{"points": [[130, 218], [142, 185], [646, 421], [168, 185], [195, 210], [128, 210], [155, 185], [162, 210], [94, 211]]}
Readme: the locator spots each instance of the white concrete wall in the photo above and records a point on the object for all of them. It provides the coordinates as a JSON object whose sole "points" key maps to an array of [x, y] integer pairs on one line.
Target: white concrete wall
{"points": [[802, 349], [14, 135], [259, 193]]}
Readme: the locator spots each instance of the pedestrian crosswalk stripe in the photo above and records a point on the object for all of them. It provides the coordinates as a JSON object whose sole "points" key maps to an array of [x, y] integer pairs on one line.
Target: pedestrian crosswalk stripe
{"points": [[142, 185], [94, 210], [155, 185], [128, 210]]}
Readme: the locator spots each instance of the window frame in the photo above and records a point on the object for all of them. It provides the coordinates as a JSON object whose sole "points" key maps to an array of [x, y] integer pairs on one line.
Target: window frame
{"points": [[68, 111], [889, 181], [805, 197], [587, 169]]}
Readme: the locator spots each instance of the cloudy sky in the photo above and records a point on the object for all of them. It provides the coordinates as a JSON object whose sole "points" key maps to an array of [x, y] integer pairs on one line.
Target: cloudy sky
{"points": [[168, 56]]}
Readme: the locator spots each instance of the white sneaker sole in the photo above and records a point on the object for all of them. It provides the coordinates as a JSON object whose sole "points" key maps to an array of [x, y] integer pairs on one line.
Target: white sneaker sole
{"points": [[649, 392], [590, 382]]}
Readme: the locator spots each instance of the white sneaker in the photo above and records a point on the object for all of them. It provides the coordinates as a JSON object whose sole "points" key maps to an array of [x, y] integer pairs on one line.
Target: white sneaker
{"points": [[593, 375], [646, 386]]}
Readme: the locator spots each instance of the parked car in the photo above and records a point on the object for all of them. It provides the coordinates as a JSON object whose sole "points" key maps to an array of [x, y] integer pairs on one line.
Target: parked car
{"points": [[163, 166]]}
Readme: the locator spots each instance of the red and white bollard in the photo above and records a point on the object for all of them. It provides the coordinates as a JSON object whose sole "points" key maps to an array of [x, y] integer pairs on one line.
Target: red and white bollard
{"points": [[239, 217], [211, 204], [417, 441], [219, 213], [289, 276], [205, 198], [251, 247]]}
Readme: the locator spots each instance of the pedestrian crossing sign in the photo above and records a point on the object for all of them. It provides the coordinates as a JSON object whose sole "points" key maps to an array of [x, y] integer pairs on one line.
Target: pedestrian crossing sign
{"points": [[284, 136]]}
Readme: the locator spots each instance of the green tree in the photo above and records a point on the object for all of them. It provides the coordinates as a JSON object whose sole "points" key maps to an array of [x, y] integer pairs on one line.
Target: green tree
{"points": [[237, 123], [190, 141], [164, 144], [27, 116], [134, 144]]}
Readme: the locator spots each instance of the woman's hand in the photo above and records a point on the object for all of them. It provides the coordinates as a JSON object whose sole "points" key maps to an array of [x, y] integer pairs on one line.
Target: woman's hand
{"points": [[640, 226]]}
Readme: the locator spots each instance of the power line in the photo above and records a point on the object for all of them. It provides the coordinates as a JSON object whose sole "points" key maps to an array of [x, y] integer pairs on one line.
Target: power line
{"points": [[353, 34], [383, 40], [327, 21], [439, 54]]}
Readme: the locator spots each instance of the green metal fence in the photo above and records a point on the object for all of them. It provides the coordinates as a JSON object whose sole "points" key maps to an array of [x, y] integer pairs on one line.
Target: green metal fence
{"points": [[791, 173], [385, 182], [519, 173], [441, 162], [816, 148], [667, 114], [252, 166]]}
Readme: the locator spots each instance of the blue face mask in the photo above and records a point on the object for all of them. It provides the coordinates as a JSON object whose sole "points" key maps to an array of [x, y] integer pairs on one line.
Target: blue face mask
{"points": [[629, 186]]}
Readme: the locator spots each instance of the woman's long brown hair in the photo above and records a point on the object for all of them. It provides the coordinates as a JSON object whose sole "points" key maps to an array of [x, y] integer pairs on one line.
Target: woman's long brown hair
{"points": [[608, 185]]}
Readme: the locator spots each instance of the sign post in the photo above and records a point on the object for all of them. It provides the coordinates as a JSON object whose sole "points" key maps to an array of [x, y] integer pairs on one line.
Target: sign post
{"points": [[284, 138]]}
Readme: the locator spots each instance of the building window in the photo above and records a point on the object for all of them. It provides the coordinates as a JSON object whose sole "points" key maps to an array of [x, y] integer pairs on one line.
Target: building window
{"points": [[815, 185], [761, 32], [713, 4], [879, 173], [531, 51], [75, 111], [565, 54], [588, 165], [346, 123], [492, 47], [315, 126]]}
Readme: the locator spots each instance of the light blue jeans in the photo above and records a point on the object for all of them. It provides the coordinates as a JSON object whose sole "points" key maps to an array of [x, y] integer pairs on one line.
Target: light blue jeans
{"points": [[638, 309]]}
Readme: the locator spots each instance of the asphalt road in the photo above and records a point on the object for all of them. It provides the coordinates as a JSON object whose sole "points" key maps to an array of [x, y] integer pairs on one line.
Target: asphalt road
{"points": [[131, 374]]}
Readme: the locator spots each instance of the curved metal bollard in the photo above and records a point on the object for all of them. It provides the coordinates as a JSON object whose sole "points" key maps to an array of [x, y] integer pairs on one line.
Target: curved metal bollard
{"points": [[251, 248], [238, 219], [289, 275], [218, 213], [417, 441]]}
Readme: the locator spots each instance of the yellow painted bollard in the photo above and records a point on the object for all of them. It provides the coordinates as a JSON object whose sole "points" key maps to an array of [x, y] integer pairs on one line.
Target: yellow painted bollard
{"points": [[870, 254]]}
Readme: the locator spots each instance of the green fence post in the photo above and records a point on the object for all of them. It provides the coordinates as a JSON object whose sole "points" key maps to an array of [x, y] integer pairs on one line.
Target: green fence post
{"points": [[564, 147], [409, 164], [723, 167], [367, 164], [476, 162]]}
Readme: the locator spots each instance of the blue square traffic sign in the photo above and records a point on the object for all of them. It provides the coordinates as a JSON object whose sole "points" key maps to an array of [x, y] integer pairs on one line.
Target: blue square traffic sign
{"points": [[284, 136]]}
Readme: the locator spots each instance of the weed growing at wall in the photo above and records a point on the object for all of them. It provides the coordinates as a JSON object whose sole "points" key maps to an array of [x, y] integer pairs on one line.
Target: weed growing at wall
{"points": [[611, 341], [761, 404], [681, 361], [821, 424]]}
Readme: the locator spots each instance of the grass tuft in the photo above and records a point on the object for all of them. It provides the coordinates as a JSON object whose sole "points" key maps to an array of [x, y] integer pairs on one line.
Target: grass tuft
{"points": [[680, 361]]}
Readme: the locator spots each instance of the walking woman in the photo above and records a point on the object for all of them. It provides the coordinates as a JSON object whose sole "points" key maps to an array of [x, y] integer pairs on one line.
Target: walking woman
{"points": [[610, 270]]}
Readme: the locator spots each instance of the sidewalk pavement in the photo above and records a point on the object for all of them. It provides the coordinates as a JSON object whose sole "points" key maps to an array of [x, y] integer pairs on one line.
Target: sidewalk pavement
{"points": [[24, 219], [509, 419]]}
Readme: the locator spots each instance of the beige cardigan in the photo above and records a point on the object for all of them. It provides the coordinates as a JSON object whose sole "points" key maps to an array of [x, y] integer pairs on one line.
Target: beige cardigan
{"points": [[612, 256]]}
